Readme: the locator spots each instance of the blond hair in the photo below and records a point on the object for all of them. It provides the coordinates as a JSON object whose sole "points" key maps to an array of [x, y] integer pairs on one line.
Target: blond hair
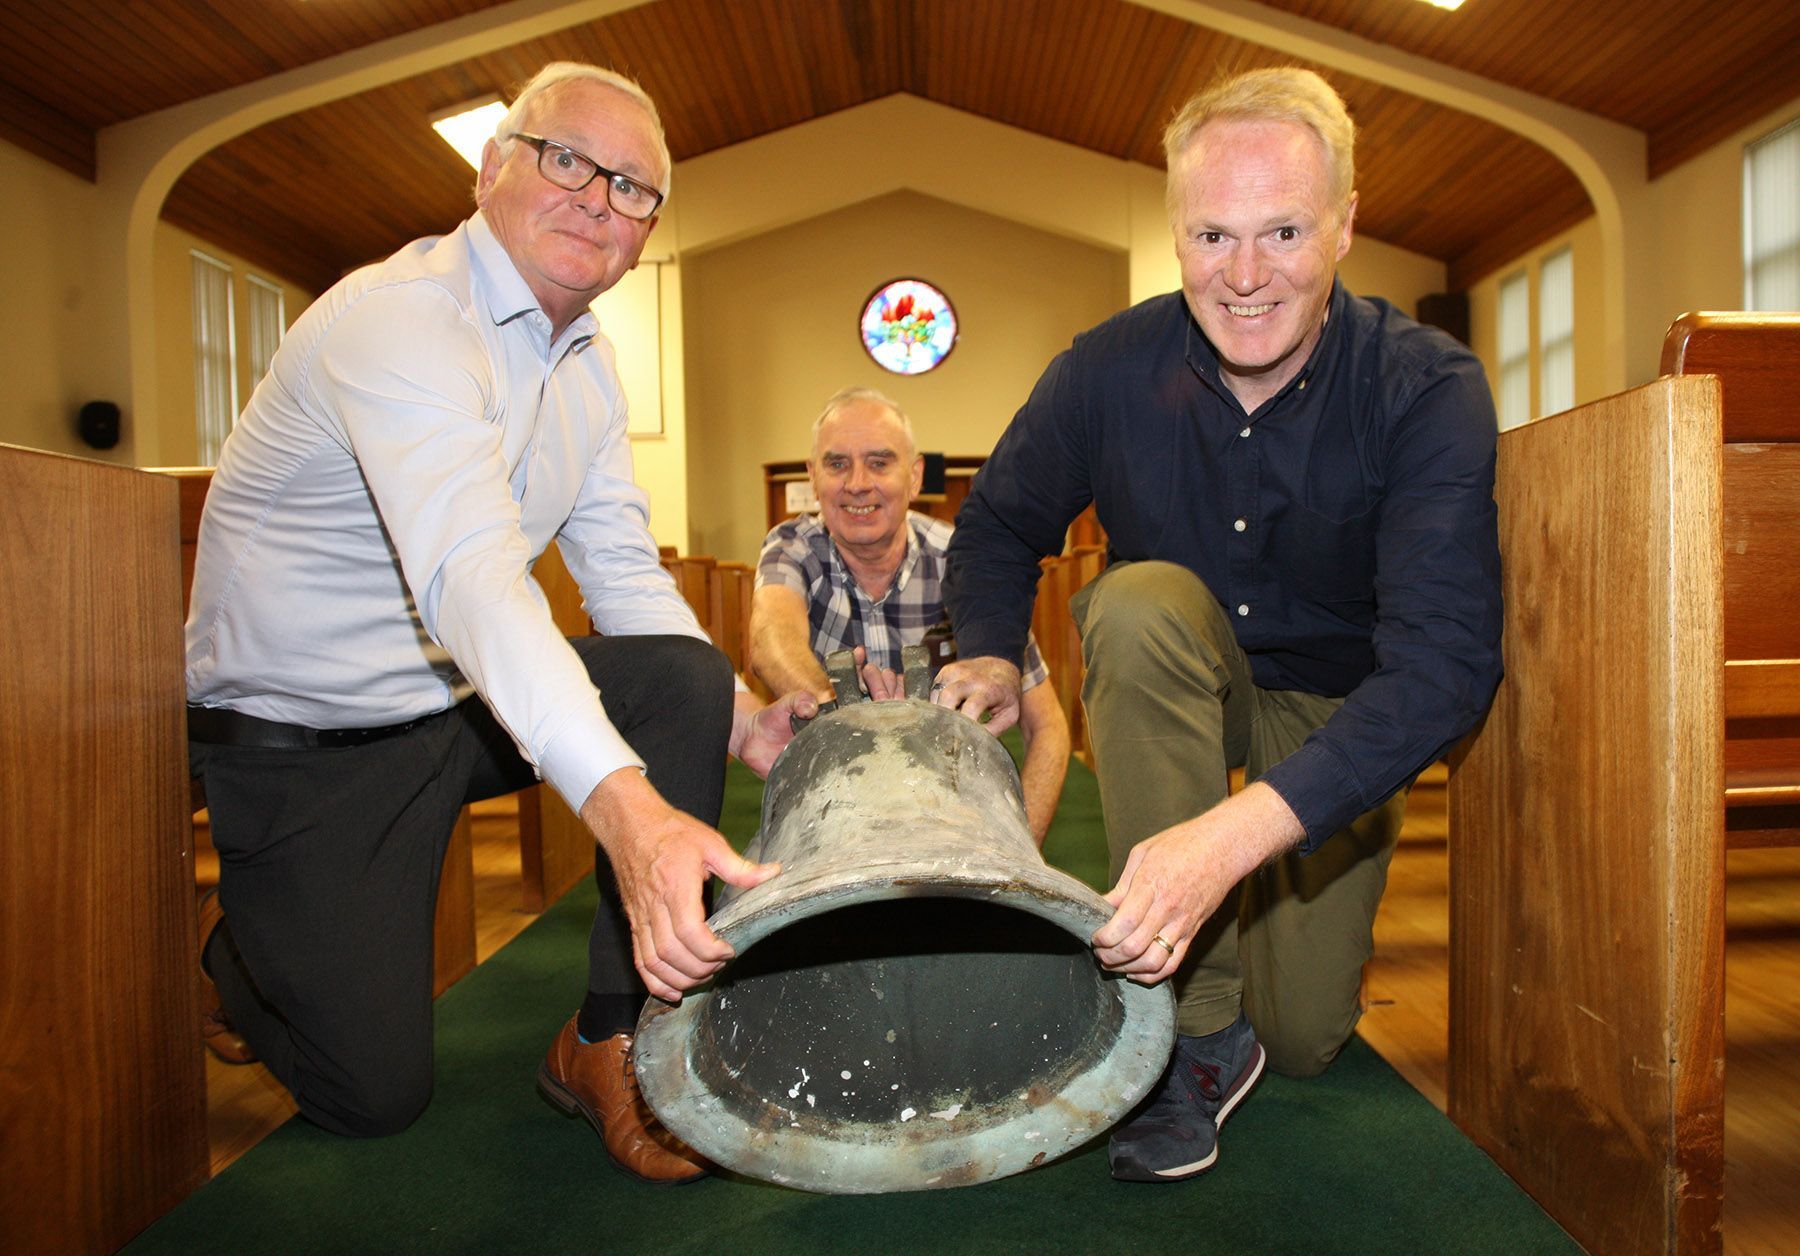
{"points": [[1284, 94]]}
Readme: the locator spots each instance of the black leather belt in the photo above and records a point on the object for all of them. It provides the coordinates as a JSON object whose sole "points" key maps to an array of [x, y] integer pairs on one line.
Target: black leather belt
{"points": [[217, 726]]}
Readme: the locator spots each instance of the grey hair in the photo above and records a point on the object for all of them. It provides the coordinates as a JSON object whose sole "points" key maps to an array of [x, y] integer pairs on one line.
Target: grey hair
{"points": [[559, 72], [1283, 94], [846, 396]]}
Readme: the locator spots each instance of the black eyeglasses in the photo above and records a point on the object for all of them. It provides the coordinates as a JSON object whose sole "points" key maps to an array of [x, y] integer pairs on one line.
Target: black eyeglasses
{"points": [[573, 171]]}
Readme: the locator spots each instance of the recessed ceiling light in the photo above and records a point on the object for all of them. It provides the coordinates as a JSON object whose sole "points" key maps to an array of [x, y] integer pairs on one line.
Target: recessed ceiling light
{"points": [[466, 127]]}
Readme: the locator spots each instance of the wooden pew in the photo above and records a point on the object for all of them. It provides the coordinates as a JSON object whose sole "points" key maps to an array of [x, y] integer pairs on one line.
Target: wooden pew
{"points": [[556, 850], [1651, 713], [1756, 358], [1642, 547], [102, 1106], [719, 594], [729, 588], [693, 576], [1060, 644]]}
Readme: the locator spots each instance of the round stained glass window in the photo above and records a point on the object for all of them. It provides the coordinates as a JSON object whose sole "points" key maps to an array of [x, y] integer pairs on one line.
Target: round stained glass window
{"points": [[908, 326]]}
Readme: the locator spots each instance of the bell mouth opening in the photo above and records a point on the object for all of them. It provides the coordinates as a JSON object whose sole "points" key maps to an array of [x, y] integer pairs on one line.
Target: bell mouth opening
{"points": [[927, 1017]]}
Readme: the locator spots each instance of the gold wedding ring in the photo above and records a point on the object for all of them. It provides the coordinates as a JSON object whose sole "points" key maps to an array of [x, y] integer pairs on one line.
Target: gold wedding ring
{"points": [[1164, 943]]}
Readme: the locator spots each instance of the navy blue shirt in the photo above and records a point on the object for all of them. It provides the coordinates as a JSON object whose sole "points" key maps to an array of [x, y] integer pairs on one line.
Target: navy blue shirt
{"points": [[1347, 526]]}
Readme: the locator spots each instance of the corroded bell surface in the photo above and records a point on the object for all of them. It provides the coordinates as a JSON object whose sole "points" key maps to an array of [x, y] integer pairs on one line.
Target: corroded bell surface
{"points": [[914, 1002]]}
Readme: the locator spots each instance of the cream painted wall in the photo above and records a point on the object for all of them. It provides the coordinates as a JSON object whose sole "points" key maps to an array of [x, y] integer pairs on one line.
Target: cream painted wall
{"points": [[1374, 268], [646, 323], [772, 333], [1694, 255], [177, 438], [47, 220], [1700, 205], [47, 217]]}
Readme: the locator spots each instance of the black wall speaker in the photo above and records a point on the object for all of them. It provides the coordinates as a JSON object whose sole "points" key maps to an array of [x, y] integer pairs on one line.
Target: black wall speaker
{"points": [[1448, 310], [98, 423], [933, 485]]}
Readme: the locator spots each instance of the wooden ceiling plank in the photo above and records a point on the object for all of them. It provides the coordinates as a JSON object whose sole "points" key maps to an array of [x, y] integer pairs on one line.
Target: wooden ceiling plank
{"points": [[777, 32], [662, 37], [30, 124], [1697, 130], [193, 44], [1088, 44], [1104, 74], [1132, 56], [69, 39], [1146, 135]]}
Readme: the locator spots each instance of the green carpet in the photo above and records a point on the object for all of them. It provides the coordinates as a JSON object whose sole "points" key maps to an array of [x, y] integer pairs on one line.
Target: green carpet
{"points": [[1356, 1161]]}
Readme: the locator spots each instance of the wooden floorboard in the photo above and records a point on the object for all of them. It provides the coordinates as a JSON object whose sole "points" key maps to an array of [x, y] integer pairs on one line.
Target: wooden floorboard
{"points": [[1406, 1018]]}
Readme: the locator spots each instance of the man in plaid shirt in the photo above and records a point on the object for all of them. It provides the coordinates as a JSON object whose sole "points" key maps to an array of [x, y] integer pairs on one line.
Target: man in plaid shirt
{"points": [[866, 571]]}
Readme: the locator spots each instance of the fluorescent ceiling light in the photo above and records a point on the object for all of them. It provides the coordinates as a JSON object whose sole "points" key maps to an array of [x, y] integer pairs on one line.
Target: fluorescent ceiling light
{"points": [[1445, 4], [467, 127]]}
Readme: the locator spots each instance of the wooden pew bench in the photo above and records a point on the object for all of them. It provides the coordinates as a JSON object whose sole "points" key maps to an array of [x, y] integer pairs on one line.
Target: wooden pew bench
{"points": [[555, 847], [1064, 575], [1650, 548]]}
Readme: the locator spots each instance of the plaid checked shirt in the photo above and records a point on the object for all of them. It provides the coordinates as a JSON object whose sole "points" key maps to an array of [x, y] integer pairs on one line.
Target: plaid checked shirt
{"points": [[799, 555]]}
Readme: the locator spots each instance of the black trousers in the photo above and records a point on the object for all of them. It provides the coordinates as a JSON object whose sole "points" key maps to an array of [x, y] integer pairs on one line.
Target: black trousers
{"points": [[328, 873]]}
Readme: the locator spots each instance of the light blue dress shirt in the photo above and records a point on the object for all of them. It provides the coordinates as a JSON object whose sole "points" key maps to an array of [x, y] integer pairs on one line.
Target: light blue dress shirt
{"points": [[417, 443]]}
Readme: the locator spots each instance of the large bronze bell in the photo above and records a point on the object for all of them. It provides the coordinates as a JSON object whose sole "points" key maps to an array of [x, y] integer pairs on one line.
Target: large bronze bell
{"points": [[914, 1002]]}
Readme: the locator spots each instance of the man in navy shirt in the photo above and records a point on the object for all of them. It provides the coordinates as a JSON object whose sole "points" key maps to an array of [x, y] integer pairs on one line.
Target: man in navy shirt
{"points": [[1304, 579]]}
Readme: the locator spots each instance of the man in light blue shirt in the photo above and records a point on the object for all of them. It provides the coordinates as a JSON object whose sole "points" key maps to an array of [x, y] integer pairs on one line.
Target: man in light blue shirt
{"points": [[367, 650]]}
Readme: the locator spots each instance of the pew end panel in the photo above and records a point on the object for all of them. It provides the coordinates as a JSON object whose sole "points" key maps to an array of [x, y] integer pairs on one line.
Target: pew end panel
{"points": [[1587, 844], [102, 1091]]}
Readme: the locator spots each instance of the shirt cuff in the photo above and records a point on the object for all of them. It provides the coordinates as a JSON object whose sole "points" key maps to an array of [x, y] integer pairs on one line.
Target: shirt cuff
{"points": [[586, 751], [1319, 789]]}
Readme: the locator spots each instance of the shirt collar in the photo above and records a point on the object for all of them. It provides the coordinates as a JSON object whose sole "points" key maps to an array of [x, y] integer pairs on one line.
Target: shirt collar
{"points": [[508, 295]]}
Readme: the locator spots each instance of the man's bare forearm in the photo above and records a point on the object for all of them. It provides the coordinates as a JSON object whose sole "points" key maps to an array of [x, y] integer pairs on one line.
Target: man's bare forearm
{"points": [[780, 646], [1046, 735]]}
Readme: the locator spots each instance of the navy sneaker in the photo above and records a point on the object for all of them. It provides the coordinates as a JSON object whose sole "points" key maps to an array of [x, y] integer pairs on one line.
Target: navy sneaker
{"points": [[1175, 1134]]}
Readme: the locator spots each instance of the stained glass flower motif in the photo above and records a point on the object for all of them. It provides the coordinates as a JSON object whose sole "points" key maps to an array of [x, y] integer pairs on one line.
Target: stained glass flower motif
{"points": [[908, 326]]}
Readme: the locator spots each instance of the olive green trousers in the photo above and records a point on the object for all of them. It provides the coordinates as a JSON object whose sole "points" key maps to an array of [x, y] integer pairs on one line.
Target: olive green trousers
{"points": [[1171, 707]]}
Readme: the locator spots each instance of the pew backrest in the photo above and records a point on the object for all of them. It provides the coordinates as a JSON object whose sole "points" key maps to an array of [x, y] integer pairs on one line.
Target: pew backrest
{"points": [[1756, 358]]}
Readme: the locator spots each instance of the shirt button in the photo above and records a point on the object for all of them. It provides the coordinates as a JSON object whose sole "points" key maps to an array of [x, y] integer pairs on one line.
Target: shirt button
{"points": [[1239, 524], [1243, 608], [1300, 387], [1245, 432]]}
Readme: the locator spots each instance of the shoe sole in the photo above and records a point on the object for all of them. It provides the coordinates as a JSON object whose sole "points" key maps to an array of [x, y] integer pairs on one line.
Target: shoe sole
{"points": [[570, 1104], [1249, 1079]]}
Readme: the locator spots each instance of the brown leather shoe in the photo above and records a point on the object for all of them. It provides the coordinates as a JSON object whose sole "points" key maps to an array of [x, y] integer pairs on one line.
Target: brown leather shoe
{"points": [[216, 1030], [599, 1081]]}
